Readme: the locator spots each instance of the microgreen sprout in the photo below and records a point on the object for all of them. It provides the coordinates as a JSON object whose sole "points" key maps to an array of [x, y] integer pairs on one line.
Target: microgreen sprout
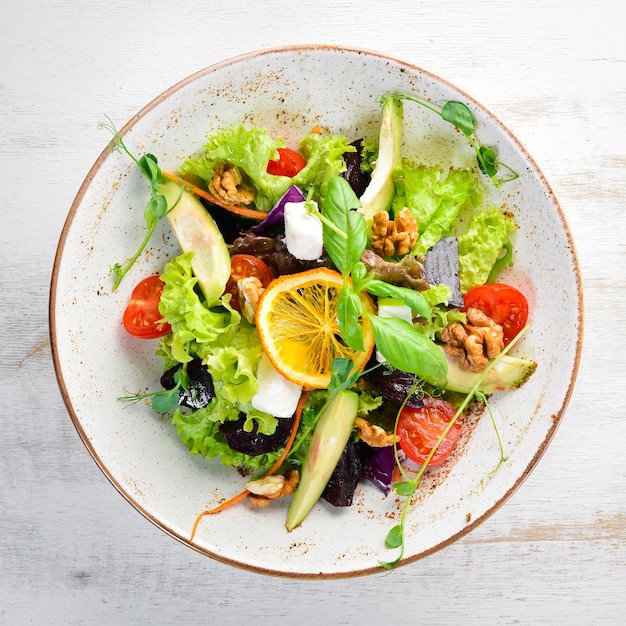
{"points": [[481, 397], [156, 208], [462, 118], [164, 400], [408, 487]]}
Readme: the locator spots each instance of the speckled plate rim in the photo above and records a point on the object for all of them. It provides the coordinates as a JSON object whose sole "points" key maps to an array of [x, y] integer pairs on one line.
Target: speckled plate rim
{"points": [[557, 417]]}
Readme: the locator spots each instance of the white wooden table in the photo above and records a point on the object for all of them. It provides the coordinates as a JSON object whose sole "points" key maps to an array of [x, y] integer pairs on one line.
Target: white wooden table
{"points": [[72, 551]]}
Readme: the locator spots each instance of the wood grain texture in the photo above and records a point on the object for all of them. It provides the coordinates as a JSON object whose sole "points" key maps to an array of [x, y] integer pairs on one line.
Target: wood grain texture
{"points": [[72, 551]]}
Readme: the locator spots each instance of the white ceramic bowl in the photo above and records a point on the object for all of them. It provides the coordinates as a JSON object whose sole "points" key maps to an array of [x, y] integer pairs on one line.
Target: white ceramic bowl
{"points": [[287, 91]]}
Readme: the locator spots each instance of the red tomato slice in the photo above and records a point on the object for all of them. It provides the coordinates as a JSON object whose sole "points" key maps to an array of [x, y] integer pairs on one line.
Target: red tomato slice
{"points": [[419, 429], [244, 266], [289, 163], [142, 314], [504, 304]]}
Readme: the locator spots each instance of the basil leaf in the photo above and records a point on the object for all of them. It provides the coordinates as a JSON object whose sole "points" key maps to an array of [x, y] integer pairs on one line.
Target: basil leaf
{"points": [[410, 297], [349, 310], [345, 251], [407, 349], [359, 275]]}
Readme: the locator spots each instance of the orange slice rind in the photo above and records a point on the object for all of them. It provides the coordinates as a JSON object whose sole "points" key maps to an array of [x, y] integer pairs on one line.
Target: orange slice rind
{"points": [[296, 319]]}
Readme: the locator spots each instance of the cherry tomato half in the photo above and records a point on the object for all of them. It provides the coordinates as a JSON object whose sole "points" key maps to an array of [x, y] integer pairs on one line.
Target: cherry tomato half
{"points": [[504, 304], [419, 429], [244, 266], [142, 314], [289, 163]]}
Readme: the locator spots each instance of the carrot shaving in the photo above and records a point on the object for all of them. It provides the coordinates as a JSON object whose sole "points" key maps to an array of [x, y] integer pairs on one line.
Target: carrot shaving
{"points": [[233, 208], [217, 509], [277, 464], [316, 130]]}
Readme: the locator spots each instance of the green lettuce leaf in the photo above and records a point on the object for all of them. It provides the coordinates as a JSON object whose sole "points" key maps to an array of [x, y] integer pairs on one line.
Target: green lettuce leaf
{"points": [[252, 149], [481, 245], [435, 200], [233, 368], [194, 326], [231, 349], [369, 400], [437, 297], [249, 150], [324, 160], [199, 431]]}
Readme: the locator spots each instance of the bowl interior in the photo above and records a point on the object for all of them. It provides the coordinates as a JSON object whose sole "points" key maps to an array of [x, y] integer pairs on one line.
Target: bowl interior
{"points": [[287, 91]]}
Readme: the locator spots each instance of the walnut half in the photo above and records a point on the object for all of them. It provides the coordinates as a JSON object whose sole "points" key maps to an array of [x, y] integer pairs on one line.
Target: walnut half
{"points": [[249, 290], [227, 183], [394, 237], [475, 342], [264, 490], [373, 435]]}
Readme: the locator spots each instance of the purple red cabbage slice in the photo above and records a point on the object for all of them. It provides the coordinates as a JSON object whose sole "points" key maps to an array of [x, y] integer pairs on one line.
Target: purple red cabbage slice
{"points": [[275, 220]]}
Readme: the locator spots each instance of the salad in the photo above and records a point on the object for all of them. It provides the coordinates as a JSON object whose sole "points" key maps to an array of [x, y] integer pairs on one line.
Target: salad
{"points": [[334, 311]]}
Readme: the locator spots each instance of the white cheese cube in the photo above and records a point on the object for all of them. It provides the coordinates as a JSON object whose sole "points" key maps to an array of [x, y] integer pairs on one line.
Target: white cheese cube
{"points": [[276, 395], [390, 307], [304, 232]]}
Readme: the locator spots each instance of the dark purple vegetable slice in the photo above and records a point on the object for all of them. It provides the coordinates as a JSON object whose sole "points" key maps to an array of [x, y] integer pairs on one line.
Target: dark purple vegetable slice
{"points": [[342, 484], [200, 392], [441, 266], [273, 251], [378, 465], [275, 220], [252, 442], [357, 179], [395, 385]]}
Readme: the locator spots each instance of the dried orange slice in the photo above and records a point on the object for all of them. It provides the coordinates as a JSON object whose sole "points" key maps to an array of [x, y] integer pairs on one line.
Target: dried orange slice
{"points": [[297, 322]]}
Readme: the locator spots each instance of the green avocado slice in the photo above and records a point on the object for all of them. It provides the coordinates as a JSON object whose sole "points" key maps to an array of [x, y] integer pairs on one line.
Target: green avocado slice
{"points": [[329, 439], [197, 232], [507, 374], [380, 191]]}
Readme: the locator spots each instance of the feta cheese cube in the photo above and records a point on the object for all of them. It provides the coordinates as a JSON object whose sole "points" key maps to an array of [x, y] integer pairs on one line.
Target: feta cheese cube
{"points": [[276, 395], [304, 232]]}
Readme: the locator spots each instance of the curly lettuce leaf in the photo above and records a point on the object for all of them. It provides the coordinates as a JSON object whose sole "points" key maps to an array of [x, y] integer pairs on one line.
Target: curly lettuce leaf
{"points": [[233, 368], [437, 297], [226, 342], [369, 155], [369, 400], [481, 245], [194, 325], [324, 160], [252, 149], [199, 431], [231, 349], [435, 200]]}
